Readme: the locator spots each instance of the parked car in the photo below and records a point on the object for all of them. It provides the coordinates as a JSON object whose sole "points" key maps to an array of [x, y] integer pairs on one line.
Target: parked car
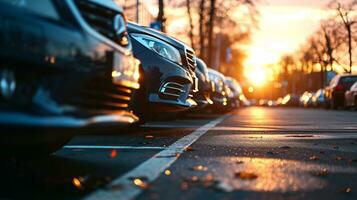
{"points": [[306, 99], [290, 100], [318, 99], [236, 92], [351, 97], [203, 95], [219, 96], [335, 92], [168, 73], [62, 66]]}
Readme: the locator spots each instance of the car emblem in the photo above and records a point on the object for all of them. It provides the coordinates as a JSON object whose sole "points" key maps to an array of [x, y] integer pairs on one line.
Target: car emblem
{"points": [[7, 84]]}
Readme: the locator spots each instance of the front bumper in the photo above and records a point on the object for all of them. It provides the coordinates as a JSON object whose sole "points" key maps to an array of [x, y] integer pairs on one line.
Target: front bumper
{"points": [[64, 121]]}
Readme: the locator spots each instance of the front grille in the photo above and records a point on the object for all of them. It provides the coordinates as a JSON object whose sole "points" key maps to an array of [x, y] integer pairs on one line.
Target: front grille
{"points": [[172, 89], [191, 60], [99, 18], [102, 95]]}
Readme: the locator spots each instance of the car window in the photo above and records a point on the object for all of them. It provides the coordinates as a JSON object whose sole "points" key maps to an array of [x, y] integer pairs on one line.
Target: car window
{"points": [[334, 81], [354, 86], [348, 80], [45, 8]]}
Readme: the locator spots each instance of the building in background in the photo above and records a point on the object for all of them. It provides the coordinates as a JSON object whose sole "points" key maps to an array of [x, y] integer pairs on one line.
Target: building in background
{"points": [[136, 11]]}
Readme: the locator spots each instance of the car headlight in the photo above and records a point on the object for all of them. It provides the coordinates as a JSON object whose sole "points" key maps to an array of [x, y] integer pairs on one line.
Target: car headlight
{"points": [[162, 48]]}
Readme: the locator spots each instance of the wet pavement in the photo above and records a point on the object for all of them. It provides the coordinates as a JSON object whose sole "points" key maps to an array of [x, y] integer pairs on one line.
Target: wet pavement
{"points": [[251, 153]]}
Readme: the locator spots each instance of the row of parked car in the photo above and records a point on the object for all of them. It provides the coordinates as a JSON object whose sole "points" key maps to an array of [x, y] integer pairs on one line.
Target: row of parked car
{"points": [[78, 63], [340, 94]]}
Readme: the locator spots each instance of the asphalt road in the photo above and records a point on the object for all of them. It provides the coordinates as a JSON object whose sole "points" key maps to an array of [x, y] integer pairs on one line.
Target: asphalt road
{"points": [[250, 153]]}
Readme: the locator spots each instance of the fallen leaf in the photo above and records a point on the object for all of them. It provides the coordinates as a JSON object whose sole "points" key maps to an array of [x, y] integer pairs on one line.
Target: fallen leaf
{"points": [[339, 158], [194, 179], [184, 185], [323, 172], [77, 182], [200, 168], [314, 158], [140, 183], [189, 149], [239, 162], [167, 172], [113, 153], [246, 175], [347, 190], [149, 137]]}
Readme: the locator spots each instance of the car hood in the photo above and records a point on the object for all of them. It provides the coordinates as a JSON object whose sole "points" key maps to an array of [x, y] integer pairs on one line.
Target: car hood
{"points": [[109, 4]]}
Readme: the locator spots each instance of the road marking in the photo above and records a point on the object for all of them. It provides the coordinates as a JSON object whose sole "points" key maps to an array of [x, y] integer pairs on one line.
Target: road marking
{"points": [[112, 147], [152, 168]]}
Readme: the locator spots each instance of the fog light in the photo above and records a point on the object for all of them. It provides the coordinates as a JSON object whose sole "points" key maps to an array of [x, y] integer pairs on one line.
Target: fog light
{"points": [[7, 84]]}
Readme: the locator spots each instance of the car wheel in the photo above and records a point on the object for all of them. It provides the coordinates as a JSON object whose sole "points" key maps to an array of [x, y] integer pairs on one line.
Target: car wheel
{"points": [[141, 104], [334, 104]]}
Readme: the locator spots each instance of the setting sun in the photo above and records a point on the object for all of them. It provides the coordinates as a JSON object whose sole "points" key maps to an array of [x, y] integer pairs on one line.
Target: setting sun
{"points": [[257, 77]]}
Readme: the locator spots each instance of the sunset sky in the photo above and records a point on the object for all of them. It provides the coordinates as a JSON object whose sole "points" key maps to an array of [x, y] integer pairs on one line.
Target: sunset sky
{"points": [[284, 26]]}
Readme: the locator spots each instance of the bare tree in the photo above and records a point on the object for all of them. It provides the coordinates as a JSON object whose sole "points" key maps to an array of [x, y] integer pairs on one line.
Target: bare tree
{"points": [[161, 15], [212, 14], [344, 11], [189, 13], [202, 33]]}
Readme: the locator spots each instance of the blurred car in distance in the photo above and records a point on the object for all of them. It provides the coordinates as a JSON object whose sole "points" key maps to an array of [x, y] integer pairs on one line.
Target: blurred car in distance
{"points": [[335, 92], [219, 96], [234, 101], [205, 88], [306, 99], [351, 97], [290, 100], [318, 99]]}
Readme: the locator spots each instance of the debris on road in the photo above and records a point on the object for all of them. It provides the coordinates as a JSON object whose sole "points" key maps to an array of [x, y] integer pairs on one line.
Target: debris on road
{"points": [[189, 148], [246, 175], [149, 137], [323, 172], [314, 158], [199, 168]]}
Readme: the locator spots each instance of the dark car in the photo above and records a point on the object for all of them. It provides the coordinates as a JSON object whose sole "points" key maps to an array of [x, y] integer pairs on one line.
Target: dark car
{"points": [[290, 100], [203, 95], [168, 73], [62, 66], [335, 92], [351, 97], [234, 100], [318, 99], [219, 96]]}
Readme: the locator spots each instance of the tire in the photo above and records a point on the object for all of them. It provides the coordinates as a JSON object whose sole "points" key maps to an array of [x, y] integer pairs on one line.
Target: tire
{"points": [[334, 104], [140, 103]]}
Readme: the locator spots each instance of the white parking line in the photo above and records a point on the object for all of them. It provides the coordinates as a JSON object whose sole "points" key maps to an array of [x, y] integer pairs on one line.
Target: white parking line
{"points": [[152, 168], [112, 147]]}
